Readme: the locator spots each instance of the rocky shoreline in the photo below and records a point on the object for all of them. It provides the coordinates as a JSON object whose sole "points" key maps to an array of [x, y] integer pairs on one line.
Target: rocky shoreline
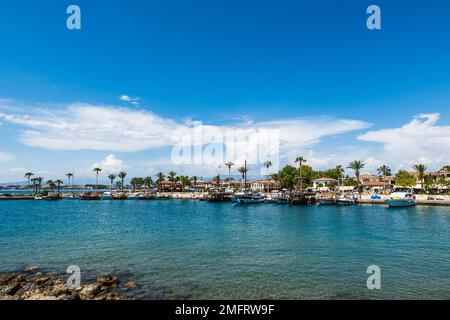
{"points": [[34, 285]]}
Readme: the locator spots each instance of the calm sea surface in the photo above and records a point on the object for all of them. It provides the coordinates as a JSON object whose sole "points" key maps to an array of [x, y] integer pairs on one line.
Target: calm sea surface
{"points": [[198, 250]]}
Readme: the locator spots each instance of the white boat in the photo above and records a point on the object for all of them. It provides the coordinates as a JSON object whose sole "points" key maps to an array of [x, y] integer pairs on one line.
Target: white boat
{"points": [[107, 195], [401, 197], [345, 201], [136, 196], [38, 197]]}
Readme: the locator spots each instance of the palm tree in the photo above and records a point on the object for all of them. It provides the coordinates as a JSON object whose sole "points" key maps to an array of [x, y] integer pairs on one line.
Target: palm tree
{"points": [[194, 179], [172, 176], [39, 181], [160, 179], [58, 184], [28, 176], [111, 178], [420, 169], [148, 182], [300, 160], [69, 175], [51, 185], [229, 164], [340, 172], [357, 166], [97, 170], [384, 171], [122, 175], [185, 181], [267, 164], [242, 171], [217, 179]]}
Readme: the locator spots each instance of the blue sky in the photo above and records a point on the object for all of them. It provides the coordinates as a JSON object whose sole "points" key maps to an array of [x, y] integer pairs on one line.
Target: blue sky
{"points": [[228, 64]]}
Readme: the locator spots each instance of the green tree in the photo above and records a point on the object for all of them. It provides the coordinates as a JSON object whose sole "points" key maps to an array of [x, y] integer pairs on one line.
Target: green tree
{"points": [[194, 179], [111, 178], [242, 171], [420, 169], [160, 178], [148, 182], [357, 166], [70, 176], [267, 165], [28, 175], [58, 184], [97, 171], [51, 185], [229, 164], [172, 179], [122, 175], [405, 179]]}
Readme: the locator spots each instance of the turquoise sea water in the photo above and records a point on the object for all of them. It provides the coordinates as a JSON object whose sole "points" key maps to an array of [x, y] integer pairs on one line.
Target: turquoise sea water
{"points": [[199, 250]]}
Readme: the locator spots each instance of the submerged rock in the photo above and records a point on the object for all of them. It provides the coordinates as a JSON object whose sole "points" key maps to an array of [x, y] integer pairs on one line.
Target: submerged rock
{"points": [[31, 268]]}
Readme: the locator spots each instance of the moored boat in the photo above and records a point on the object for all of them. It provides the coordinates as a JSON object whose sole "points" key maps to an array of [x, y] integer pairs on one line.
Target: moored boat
{"points": [[250, 198], [346, 201], [107, 196], [401, 197]]}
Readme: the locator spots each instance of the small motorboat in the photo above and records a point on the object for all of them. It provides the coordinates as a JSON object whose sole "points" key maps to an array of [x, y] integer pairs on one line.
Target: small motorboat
{"points": [[285, 197], [107, 196], [250, 198], [135, 196], [346, 201], [38, 197], [401, 197]]}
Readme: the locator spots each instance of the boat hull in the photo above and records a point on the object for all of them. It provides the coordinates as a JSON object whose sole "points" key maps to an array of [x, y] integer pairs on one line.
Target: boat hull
{"points": [[327, 202], [398, 203], [249, 201], [346, 203]]}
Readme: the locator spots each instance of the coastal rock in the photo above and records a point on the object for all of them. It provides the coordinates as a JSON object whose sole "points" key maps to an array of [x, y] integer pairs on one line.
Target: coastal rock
{"points": [[106, 280], [89, 291], [41, 280], [47, 287], [131, 284]]}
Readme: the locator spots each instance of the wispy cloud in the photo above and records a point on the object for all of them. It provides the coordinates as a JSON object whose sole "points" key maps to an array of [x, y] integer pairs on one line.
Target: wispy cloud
{"points": [[117, 129], [4, 156], [132, 100]]}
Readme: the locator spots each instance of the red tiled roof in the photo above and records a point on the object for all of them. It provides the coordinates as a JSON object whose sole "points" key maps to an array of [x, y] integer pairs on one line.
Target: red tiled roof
{"points": [[374, 184]]}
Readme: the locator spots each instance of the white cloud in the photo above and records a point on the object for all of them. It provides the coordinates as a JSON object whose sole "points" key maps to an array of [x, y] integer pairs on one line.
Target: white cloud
{"points": [[110, 128], [126, 98], [4, 156], [111, 164], [419, 141]]}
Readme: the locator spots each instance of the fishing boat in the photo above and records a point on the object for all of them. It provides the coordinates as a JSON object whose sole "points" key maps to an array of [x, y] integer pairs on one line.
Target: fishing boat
{"points": [[346, 201], [135, 196], [70, 196], [328, 200], [107, 196], [247, 196], [401, 197], [285, 197], [89, 196], [271, 198], [250, 198]]}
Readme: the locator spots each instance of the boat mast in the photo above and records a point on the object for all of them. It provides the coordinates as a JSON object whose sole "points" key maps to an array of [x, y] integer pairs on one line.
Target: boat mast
{"points": [[245, 175], [300, 180]]}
